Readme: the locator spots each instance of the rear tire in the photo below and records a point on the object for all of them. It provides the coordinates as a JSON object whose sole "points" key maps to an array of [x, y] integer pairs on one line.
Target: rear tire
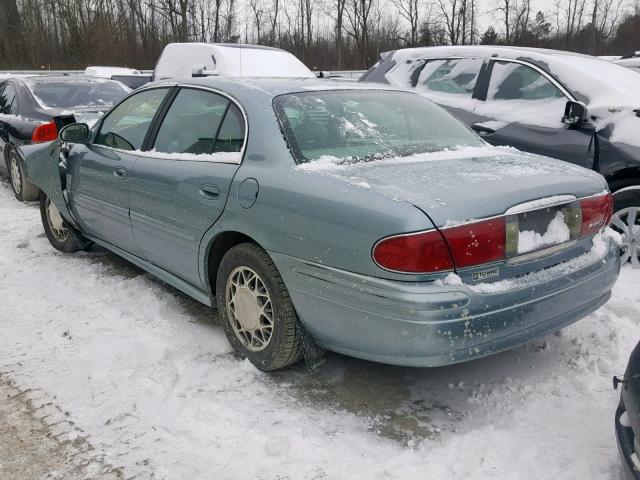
{"points": [[23, 189], [626, 221], [256, 310], [61, 235]]}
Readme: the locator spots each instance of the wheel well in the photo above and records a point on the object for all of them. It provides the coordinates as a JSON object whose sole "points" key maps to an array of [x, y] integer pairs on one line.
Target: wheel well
{"points": [[220, 246], [624, 178], [7, 150]]}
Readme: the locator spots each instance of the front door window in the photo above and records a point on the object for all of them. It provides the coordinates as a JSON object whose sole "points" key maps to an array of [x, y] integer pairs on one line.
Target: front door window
{"points": [[126, 126]]}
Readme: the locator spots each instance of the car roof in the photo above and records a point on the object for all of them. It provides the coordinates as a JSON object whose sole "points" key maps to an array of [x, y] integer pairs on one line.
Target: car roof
{"points": [[488, 51], [270, 87]]}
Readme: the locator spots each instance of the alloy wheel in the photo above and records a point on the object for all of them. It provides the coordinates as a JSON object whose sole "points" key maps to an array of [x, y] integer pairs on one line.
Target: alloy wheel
{"points": [[16, 179], [249, 308], [627, 223], [56, 222]]}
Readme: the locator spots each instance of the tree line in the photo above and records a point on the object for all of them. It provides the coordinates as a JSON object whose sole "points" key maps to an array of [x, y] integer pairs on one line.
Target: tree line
{"points": [[325, 34]]}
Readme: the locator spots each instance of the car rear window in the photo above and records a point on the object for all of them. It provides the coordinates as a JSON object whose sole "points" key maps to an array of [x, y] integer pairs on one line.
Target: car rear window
{"points": [[364, 125], [76, 93]]}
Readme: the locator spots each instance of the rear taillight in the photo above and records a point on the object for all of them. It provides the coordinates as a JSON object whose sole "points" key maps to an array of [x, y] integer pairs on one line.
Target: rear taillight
{"points": [[596, 213], [436, 251], [423, 252], [45, 132], [477, 243]]}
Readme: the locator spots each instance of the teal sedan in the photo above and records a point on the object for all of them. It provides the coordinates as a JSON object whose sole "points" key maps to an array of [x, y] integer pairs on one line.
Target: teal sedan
{"points": [[316, 214]]}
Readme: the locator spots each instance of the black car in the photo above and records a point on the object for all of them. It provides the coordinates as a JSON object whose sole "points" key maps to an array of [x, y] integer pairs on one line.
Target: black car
{"points": [[573, 107], [628, 416], [34, 108]]}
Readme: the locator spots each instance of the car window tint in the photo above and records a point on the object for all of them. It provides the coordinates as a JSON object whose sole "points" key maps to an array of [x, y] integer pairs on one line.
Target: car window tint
{"points": [[231, 135], [127, 125], [192, 123], [513, 81], [8, 99], [456, 76]]}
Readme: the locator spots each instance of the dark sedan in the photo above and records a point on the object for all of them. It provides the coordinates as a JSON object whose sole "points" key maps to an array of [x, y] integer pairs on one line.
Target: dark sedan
{"points": [[628, 416], [34, 108], [577, 108]]}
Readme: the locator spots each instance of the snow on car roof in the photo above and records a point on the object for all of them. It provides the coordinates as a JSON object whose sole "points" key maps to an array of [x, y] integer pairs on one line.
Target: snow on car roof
{"points": [[592, 80], [108, 72], [178, 60]]}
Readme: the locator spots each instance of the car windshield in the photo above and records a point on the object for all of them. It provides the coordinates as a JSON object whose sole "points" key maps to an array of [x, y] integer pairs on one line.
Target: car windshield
{"points": [[365, 125], [76, 93]]}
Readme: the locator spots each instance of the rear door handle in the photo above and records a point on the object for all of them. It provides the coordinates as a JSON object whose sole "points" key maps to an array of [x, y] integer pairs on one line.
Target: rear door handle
{"points": [[210, 191], [482, 130], [120, 173]]}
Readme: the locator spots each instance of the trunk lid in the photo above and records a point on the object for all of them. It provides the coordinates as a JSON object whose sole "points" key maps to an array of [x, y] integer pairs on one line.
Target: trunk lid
{"points": [[536, 196], [458, 186]]}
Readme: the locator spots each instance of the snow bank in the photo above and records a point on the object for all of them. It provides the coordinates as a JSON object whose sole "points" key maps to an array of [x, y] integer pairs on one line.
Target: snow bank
{"points": [[108, 72]]}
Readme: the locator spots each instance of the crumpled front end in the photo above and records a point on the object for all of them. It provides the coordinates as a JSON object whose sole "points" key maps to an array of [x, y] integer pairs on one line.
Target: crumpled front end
{"points": [[42, 161]]}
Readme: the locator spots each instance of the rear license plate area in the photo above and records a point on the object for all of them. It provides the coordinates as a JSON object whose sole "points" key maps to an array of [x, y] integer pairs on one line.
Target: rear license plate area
{"points": [[542, 229]]}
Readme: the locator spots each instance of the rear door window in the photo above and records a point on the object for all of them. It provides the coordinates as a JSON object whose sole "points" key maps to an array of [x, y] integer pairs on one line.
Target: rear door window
{"points": [[456, 76], [201, 123], [126, 126], [8, 103], [513, 81]]}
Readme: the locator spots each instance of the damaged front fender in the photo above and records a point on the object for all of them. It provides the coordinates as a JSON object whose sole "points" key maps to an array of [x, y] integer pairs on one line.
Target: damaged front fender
{"points": [[42, 162]]}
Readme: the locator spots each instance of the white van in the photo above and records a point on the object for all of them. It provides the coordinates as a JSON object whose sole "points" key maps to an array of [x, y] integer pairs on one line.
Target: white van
{"points": [[186, 60]]}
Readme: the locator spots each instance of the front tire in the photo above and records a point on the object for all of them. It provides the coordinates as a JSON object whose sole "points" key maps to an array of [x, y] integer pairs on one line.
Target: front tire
{"points": [[60, 234], [23, 189], [256, 310], [626, 221]]}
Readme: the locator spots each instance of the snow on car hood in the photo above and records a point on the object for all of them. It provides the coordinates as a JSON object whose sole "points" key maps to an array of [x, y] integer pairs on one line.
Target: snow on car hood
{"points": [[459, 185]]}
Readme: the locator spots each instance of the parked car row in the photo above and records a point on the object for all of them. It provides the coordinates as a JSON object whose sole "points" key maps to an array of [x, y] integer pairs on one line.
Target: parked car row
{"points": [[356, 217]]}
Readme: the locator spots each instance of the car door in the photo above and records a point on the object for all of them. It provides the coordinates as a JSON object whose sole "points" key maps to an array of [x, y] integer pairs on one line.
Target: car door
{"points": [[100, 185], [179, 187], [523, 107], [449, 82]]}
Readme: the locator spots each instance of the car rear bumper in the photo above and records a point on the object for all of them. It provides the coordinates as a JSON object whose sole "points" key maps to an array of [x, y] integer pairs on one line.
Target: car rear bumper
{"points": [[626, 439], [424, 324]]}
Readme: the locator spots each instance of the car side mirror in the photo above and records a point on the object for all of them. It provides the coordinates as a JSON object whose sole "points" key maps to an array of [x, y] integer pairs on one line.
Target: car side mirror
{"points": [[574, 113], [75, 133], [200, 70]]}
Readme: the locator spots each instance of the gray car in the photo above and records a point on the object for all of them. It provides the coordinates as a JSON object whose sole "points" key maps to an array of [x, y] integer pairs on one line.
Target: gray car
{"points": [[358, 218]]}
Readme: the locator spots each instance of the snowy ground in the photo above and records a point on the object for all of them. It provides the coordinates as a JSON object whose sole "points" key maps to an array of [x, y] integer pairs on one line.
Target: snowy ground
{"points": [[145, 377]]}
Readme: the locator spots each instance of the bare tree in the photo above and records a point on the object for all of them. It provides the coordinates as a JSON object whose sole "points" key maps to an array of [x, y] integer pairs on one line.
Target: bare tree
{"points": [[408, 10]]}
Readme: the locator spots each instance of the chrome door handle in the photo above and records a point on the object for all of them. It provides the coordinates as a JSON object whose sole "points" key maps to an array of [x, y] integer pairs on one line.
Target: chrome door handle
{"points": [[210, 191], [120, 173]]}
